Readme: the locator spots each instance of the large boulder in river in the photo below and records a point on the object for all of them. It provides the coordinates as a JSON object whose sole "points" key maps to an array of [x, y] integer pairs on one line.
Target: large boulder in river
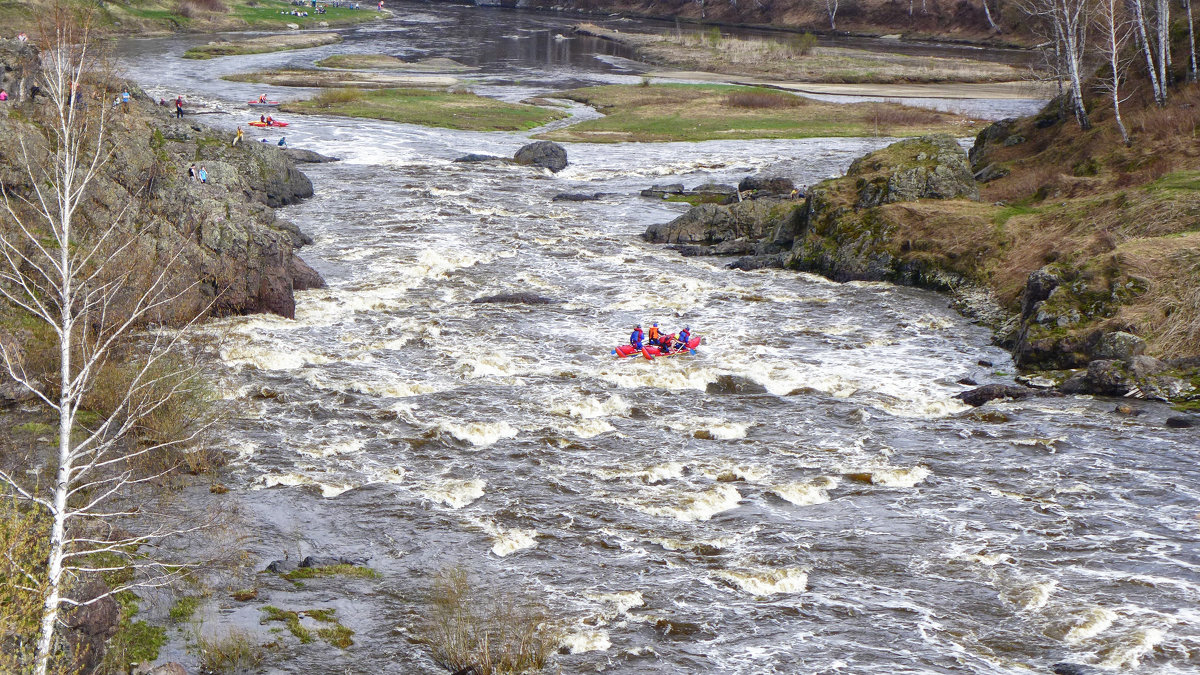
{"points": [[929, 167], [711, 224], [545, 154], [767, 185]]}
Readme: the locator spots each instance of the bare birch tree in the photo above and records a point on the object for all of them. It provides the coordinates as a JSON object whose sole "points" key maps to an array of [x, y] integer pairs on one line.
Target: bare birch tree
{"points": [[1157, 86], [1067, 22], [831, 8], [1115, 30], [77, 277]]}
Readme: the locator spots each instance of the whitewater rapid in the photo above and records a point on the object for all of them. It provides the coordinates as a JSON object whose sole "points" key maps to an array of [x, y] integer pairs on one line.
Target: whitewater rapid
{"points": [[848, 515]]}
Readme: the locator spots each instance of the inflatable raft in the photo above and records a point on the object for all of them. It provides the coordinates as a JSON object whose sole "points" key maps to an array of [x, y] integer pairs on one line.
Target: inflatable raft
{"points": [[649, 352], [265, 124]]}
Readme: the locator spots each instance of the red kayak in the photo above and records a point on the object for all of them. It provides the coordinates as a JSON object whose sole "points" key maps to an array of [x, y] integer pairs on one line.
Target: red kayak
{"points": [[651, 351], [266, 124]]}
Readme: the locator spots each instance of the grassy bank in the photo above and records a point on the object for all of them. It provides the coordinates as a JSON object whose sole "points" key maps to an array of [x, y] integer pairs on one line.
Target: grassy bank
{"points": [[131, 17], [797, 58], [428, 108], [686, 112], [262, 45], [385, 62], [330, 79]]}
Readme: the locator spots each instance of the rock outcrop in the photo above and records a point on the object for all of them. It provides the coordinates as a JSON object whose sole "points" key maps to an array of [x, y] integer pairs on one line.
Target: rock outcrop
{"points": [[228, 251], [546, 154], [710, 224]]}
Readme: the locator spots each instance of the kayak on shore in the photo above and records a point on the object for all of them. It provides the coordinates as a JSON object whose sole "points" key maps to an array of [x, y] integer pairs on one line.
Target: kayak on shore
{"points": [[649, 352], [268, 124], [263, 104]]}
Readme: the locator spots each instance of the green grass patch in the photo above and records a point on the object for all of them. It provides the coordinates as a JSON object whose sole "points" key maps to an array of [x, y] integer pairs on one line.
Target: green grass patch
{"points": [[1176, 182], [290, 619], [331, 571], [337, 635], [35, 428], [184, 608], [427, 108], [690, 112]]}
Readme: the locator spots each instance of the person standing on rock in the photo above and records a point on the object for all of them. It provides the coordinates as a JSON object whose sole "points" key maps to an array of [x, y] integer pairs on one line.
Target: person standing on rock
{"points": [[203, 174], [192, 173], [179, 107], [3, 95], [238, 139]]}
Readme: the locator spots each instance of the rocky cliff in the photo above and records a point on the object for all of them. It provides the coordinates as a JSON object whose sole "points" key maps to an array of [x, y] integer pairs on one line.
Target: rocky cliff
{"points": [[1052, 281], [223, 241]]}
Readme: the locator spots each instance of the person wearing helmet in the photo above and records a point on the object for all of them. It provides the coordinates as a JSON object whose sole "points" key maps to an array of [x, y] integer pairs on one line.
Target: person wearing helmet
{"points": [[685, 335], [636, 337], [653, 334]]}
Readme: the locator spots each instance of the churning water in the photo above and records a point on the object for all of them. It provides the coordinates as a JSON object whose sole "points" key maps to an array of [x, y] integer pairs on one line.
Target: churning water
{"points": [[843, 514]]}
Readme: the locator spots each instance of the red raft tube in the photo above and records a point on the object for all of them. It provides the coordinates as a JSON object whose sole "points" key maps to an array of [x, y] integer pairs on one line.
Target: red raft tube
{"points": [[651, 351]]}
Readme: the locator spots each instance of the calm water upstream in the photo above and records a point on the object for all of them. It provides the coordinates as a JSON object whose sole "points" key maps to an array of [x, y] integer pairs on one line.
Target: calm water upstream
{"points": [[851, 517]]}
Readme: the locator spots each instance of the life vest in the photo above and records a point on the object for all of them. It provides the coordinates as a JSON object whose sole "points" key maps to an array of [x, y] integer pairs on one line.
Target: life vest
{"points": [[653, 332], [684, 336]]}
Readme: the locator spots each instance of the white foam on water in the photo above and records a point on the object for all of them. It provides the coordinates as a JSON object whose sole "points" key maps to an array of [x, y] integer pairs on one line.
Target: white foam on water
{"points": [[1047, 443], [269, 480], [761, 582], [1091, 622], [1029, 595], [487, 364], [506, 542], [479, 434], [902, 478], [714, 428], [620, 602], [691, 506], [588, 428], [656, 473], [1131, 649], [672, 544], [806, 493], [590, 407], [725, 470], [455, 493], [265, 355], [586, 640], [351, 446]]}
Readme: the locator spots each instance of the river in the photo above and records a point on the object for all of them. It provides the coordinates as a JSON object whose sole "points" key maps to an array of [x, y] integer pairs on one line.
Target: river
{"points": [[847, 515]]}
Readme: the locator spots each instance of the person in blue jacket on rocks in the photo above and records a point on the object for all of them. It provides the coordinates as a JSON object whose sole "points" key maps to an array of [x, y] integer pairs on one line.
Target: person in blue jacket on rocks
{"points": [[636, 337]]}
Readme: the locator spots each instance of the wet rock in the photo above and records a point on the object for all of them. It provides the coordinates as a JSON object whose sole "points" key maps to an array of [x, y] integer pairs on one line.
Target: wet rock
{"points": [[776, 185], [1119, 345], [1142, 367], [169, 668], [990, 173], [675, 627], [474, 157], [281, 566], [758, 262], [1182, 421], [966, 381], [1126, 409], [989, 416], [984, 363], [734, 384], [1070, 669], [308, 156], [662, 191], [577, 196], [1108, 377], [710, 224], [990, 392], [515, 299], [545, 154], [328, 561], [1077, 383]]}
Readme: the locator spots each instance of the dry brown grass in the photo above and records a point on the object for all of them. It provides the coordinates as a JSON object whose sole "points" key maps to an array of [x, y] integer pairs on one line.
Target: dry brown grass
{"points": [[1168, 313], [759, 99], [492, 632]]}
